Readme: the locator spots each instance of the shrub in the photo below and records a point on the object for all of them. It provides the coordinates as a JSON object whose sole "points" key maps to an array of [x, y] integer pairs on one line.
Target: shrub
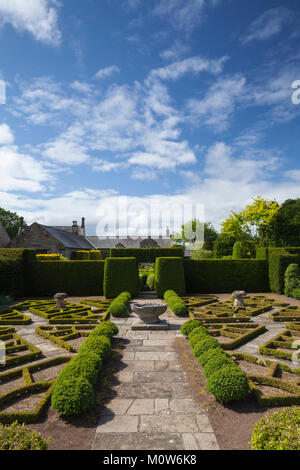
{"points": [[120, 275], [216, 363], [291, 279], [120, 305], [18, 437], [204, 345], [48, 257], [169, 275], [279, 431], [189, 326], [198, 329], [72, 396], [278, 260], [217, 275], [202, 254], [150, 281], [106, 328], [96, 255], [80, 255], [228, 384], [73, 393], [197, 338], [175, 303], [211, 353], [244, 250]]}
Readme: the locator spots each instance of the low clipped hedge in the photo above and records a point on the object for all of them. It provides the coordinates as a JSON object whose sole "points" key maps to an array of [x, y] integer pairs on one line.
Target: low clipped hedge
{"points": [[74, 392], [279, 431], [19, 437], [225, 380], [120, 305], [96, 255], [120, 275], [175, 303], [169, 275], [80, 278], [219, 275], [80, 255]]}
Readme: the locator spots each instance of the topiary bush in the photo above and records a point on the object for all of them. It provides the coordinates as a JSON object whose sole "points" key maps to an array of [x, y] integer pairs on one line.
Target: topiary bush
{"points": [[200, 336], [279, 431], [204, 345], [291, 279], [120, 306], [80, 255], [19, 437], [106, 328], [216, 363], [169, 275], [211, 353], [198, 329], [228, 384], [96, 255], [202, 254], [150, 281], [175, 303], [72, 395], [189, 326]]}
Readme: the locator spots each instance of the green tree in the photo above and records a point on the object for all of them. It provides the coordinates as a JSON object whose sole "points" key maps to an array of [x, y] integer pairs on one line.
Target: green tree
{"points": [[192, 232], [11, 222], [252, 223], [285, 225]]}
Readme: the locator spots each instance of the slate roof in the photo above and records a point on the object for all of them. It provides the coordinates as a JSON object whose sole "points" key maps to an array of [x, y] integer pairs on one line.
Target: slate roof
{"points": [[69, 240], [105, 242]]}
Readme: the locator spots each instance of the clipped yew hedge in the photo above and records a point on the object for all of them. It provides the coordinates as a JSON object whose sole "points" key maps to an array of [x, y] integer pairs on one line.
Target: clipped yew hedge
{"points": [[120, 275], [218, 275], [169, 275], [146, 255], [15, 271], [80, 278]]}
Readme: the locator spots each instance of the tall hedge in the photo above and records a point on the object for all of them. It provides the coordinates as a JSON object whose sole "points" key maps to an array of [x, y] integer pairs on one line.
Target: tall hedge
{"points": [[120, 275], [14, 271], [80, 278], [218, 275], [279, 259], [146, 255], [169, 275]]}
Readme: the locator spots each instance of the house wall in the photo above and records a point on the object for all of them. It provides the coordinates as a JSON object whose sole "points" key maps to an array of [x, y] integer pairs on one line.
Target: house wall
{"points": [[38, 239]]}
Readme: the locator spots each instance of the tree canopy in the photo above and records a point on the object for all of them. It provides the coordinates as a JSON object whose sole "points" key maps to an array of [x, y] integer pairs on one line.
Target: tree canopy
{"points": [[285, 226], [11, 222], [193, 232]]}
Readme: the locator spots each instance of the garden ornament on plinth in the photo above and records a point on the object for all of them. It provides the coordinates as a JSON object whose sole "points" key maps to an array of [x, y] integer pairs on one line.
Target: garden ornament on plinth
{"points": [[60, 300], [238, 299]]}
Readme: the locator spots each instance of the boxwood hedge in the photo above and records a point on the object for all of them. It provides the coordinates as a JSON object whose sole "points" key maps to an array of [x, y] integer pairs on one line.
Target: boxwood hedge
{"points": [[169, 275], [120, 275]]}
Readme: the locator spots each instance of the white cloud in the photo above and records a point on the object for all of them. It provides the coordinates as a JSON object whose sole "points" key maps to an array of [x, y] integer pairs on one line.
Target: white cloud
{"points": [[184, 15], [104, 166], [216, 108], [21, 172], [268, 24], [193, 65], [38, 17], [82, 87], [67, 148], [177, 50], [6, 135], [107, 72]]}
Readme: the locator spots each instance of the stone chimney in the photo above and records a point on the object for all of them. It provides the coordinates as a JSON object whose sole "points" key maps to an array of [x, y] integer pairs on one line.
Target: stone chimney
{"points": [[21, 227], [82, 230], [75, 228], [168, 232]]}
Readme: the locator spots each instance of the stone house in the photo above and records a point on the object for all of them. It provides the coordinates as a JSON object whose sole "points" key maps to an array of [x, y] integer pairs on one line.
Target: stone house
{"points": [[53, 239]]}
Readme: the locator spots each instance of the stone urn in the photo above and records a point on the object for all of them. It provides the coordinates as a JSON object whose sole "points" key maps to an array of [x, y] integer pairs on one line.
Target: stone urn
{"points": [[60, 299], [238, 298], [149, 312]]}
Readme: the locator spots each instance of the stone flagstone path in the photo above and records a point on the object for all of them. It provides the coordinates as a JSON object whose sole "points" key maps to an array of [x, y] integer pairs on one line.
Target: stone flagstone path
{"points": [[150, 406]]}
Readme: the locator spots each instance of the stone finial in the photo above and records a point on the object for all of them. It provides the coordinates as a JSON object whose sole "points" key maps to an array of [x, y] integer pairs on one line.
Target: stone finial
{"points": [[82, 230], [75, 228], [60, 299]]}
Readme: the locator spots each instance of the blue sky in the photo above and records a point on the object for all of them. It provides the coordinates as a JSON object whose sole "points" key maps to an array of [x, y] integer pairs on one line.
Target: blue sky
{"points": [[161, 101]]}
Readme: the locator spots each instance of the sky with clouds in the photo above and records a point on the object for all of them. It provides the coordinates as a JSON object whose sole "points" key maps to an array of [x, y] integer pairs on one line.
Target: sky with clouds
{"points": [[159, 102]]}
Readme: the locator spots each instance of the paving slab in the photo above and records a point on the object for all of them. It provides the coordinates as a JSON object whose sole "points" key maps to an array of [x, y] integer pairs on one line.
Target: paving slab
{"points": [[118, 423], [168, 423], [138, 441]]}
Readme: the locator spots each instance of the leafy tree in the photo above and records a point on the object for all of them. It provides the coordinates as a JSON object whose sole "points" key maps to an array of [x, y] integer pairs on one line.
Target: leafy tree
{"points": [[11, 222], [192, 232], [252, 223], [285, 226]]}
